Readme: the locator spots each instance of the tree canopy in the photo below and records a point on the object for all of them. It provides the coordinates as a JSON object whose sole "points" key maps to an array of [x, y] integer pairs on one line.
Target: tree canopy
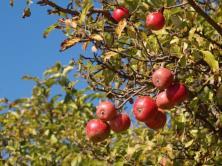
{"points": [[121, 56]]}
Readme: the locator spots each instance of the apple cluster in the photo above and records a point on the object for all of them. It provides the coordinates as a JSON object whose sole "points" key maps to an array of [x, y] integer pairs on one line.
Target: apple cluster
{"points": [[154, 20], [152, 111], [145, 109], [108, 119]]}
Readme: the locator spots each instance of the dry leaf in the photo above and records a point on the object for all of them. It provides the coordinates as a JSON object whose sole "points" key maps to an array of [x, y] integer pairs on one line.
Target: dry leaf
{"points": [[94, 49], [121, 25], [69, 43], [73, 24], [96, 37], [84, 45]]}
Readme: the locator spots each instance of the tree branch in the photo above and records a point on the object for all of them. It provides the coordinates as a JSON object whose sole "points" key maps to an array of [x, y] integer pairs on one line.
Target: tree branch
{"points": [[106, 13], [209, 39], [206, 16], [175, 6], [59, 8]]}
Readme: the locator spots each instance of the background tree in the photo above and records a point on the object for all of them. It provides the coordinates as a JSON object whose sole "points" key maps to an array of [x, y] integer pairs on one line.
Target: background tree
{"points": [[123, 57]]}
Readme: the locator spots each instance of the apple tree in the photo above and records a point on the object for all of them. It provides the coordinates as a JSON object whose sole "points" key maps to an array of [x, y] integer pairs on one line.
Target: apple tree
{"points": [[123, 48]]}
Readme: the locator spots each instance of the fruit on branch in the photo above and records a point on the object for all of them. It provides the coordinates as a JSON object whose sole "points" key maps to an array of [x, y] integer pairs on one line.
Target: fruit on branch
{"points": [[163, 101], [162, 78], [144, 108], [120, 13], [176, 93], [106, 111], [155, 20], [97, 130], [120, 123], [158, 121]]}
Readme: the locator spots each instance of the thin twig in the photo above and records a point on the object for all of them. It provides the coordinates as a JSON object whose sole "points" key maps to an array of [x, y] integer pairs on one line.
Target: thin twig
{"points": [[175, 6], [160, 45], [209, 39], [131, 96], [206, 16]]}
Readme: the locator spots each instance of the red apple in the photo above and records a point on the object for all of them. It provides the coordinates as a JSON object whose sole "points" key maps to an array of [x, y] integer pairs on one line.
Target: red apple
{"points": [[158, 121], [162, 78], [97, 130], [120, 13], [106, 111], [144, 108], [163, 101], [176, 93], [120, 123], [155, 20]]}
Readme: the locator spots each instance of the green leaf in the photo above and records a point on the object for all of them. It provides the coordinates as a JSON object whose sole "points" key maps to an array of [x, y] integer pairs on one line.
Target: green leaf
{"points": [[211, 61], [54, 69], [49, 29], [26, 77], [87, 6]]}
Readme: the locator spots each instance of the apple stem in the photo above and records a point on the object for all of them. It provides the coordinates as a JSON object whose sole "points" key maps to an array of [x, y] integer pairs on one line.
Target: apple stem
{"points": [[162, 64], [117, 3], [161, 10]]}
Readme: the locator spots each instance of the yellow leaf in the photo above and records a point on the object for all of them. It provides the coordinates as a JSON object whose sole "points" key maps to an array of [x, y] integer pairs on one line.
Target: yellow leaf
{"points": [[121, 25], [131, 32], [188, 144], [69, 43], [53, 139], [109, 55], [211, 61], [96, 37], [174, 40], [73, 24], [185, 46]]}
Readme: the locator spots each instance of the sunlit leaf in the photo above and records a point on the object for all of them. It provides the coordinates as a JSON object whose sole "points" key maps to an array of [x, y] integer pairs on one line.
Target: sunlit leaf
{"points": [[109, 55], [96, 37], [210, 59], [121, 25], [69, 43], [88, 5]]}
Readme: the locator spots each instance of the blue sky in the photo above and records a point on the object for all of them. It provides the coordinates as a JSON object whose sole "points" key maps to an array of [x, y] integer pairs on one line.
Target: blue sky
{"points": [[23, 50]]}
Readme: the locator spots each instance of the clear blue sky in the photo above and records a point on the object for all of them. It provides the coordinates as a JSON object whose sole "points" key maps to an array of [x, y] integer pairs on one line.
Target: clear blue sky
{"points": [[23, 50]]}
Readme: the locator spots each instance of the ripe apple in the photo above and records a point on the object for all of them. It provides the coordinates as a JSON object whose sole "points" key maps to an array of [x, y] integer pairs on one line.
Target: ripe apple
{"points": [[155, 20], [120, 123], [163, 101], [176, 93], [158, 121], [97, 130], [144, 108], [106, 111], [162, 78], [120, 13]]}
